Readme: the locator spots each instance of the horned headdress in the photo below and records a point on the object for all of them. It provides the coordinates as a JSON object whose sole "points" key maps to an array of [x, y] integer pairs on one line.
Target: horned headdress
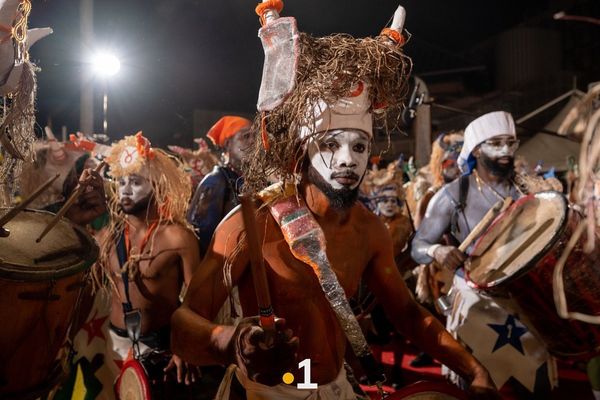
{"points": [[314, 84]]}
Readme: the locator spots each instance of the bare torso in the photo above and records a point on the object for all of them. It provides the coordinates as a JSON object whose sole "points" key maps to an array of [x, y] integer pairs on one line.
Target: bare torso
{"points": [[156, 288], [359, 246], [297, 295]]}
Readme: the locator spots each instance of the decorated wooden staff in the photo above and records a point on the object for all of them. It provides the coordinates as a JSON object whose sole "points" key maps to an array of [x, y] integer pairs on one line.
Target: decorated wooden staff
{"points": [[259, 276]]}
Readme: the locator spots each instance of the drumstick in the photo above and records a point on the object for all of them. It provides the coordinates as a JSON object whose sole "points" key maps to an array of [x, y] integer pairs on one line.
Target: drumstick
{"points": [[14, 211], [70, 201], [485, 222], [257, 265]]}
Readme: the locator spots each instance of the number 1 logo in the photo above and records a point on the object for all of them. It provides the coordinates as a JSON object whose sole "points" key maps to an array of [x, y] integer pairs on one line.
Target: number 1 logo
{"points": [[307, 384]]}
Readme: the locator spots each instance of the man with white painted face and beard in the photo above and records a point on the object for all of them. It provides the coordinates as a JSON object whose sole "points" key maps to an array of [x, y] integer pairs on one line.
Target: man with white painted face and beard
{"points": [[482, 322], [317, 242], [321, 208], [148, 254]]}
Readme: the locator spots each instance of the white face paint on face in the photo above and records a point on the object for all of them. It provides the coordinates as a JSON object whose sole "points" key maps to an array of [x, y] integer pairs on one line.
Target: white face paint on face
{"points": [[340, 156], [238, 145], [387, 204], [500, 146], [133, 189]]}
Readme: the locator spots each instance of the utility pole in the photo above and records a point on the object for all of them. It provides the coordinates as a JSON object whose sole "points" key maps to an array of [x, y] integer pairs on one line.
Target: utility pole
{"points": [[421, 127], [86, 107]]}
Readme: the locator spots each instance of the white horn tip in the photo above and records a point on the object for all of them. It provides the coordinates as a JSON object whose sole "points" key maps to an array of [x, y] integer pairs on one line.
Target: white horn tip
{"points": [[399, 18]]}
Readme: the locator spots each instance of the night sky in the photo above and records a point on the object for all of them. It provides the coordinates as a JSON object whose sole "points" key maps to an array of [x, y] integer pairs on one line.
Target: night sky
{"points": [[181, 55]]}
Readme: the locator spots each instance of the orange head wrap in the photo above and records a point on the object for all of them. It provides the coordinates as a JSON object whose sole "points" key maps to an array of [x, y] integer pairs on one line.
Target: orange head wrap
{"points": [[226, 127]]}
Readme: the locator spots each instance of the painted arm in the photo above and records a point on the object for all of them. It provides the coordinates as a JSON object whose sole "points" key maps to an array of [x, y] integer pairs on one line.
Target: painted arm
{"points": [[416, 323], [194, 337], [433, 226], [190, 256]]}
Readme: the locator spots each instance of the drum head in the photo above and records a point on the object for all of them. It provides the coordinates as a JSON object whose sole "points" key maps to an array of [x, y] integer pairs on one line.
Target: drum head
{"points": [[133, 384], [429, 391], [64, 251], [517, 239]]}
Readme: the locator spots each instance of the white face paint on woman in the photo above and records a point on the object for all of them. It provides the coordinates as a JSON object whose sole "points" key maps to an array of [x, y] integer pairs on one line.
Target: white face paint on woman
{"points": [[387, 204], [341, 157], [134, 192]]}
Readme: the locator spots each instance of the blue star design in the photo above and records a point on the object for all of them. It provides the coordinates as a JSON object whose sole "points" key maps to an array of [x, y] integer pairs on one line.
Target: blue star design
{"points": [[509, 333]]}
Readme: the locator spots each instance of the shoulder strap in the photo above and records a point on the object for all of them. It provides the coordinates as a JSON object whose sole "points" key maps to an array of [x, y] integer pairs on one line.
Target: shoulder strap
{"points": [[132, 317], [122, 256], [463, 190]]}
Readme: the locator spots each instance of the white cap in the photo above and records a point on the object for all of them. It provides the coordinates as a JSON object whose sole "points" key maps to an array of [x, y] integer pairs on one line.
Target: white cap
{"points": [[487, 126], [346, 113]]}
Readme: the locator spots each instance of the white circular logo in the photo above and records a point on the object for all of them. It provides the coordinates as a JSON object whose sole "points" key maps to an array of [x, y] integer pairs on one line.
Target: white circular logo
{"points": [[128, 156]]}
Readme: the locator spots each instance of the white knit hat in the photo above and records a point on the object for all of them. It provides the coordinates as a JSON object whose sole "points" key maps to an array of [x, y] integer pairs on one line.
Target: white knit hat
{"points": [[487, 126], [350, 112]]}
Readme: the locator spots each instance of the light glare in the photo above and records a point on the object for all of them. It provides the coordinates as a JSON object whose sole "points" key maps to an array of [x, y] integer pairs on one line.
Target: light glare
{"points": [[106, 64]]}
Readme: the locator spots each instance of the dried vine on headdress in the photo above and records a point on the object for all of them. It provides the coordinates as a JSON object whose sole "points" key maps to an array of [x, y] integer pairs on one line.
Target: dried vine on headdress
{"points": [[328, 68]]}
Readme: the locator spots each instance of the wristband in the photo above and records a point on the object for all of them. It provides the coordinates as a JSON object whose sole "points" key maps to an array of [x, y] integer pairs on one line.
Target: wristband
{"points": [[431, 250]]}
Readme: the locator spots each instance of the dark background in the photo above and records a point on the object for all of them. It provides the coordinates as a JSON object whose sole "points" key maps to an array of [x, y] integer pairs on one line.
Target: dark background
{"points": [[178, 56]]}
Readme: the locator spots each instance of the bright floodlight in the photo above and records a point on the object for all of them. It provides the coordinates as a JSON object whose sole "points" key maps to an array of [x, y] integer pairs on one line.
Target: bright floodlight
{"points": [[106, 64]]}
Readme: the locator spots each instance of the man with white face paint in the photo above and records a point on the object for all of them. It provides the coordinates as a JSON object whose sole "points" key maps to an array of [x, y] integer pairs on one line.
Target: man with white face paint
{"points": [[316, 241], [338, 162], [358, 246], [487, 161], [135, 192], [148, 253]]}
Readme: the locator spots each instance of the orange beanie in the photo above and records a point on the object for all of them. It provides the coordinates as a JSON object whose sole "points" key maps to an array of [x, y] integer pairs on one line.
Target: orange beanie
{"points": [[226, 127]]}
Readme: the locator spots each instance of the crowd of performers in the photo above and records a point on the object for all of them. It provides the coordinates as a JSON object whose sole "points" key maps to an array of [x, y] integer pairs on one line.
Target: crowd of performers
{"points": [[355, 253]]}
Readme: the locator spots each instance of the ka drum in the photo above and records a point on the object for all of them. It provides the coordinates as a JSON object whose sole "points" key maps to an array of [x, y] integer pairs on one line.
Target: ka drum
{"points": [[143, 378], [40, 287], [133, 382], [517, 255], [428, 391]]}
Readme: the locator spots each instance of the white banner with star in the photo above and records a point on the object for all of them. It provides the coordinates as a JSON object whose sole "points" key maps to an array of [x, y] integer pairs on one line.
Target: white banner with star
{"points": [[498, 337]]}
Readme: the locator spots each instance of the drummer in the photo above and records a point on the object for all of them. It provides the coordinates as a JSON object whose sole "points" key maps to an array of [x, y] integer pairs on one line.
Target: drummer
{"points": [[148, 252], [488, 326]]}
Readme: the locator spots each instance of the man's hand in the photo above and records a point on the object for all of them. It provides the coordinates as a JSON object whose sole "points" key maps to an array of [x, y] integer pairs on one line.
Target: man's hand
{"points": [[92, 202], [482, 386], [262, 363], [449, 257], [185, 372]]}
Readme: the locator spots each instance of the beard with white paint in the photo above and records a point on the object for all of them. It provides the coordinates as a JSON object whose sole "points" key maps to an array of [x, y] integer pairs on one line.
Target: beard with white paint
{"points": [[338, 161], [135, 192], [499, 158], [387, 205]]}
